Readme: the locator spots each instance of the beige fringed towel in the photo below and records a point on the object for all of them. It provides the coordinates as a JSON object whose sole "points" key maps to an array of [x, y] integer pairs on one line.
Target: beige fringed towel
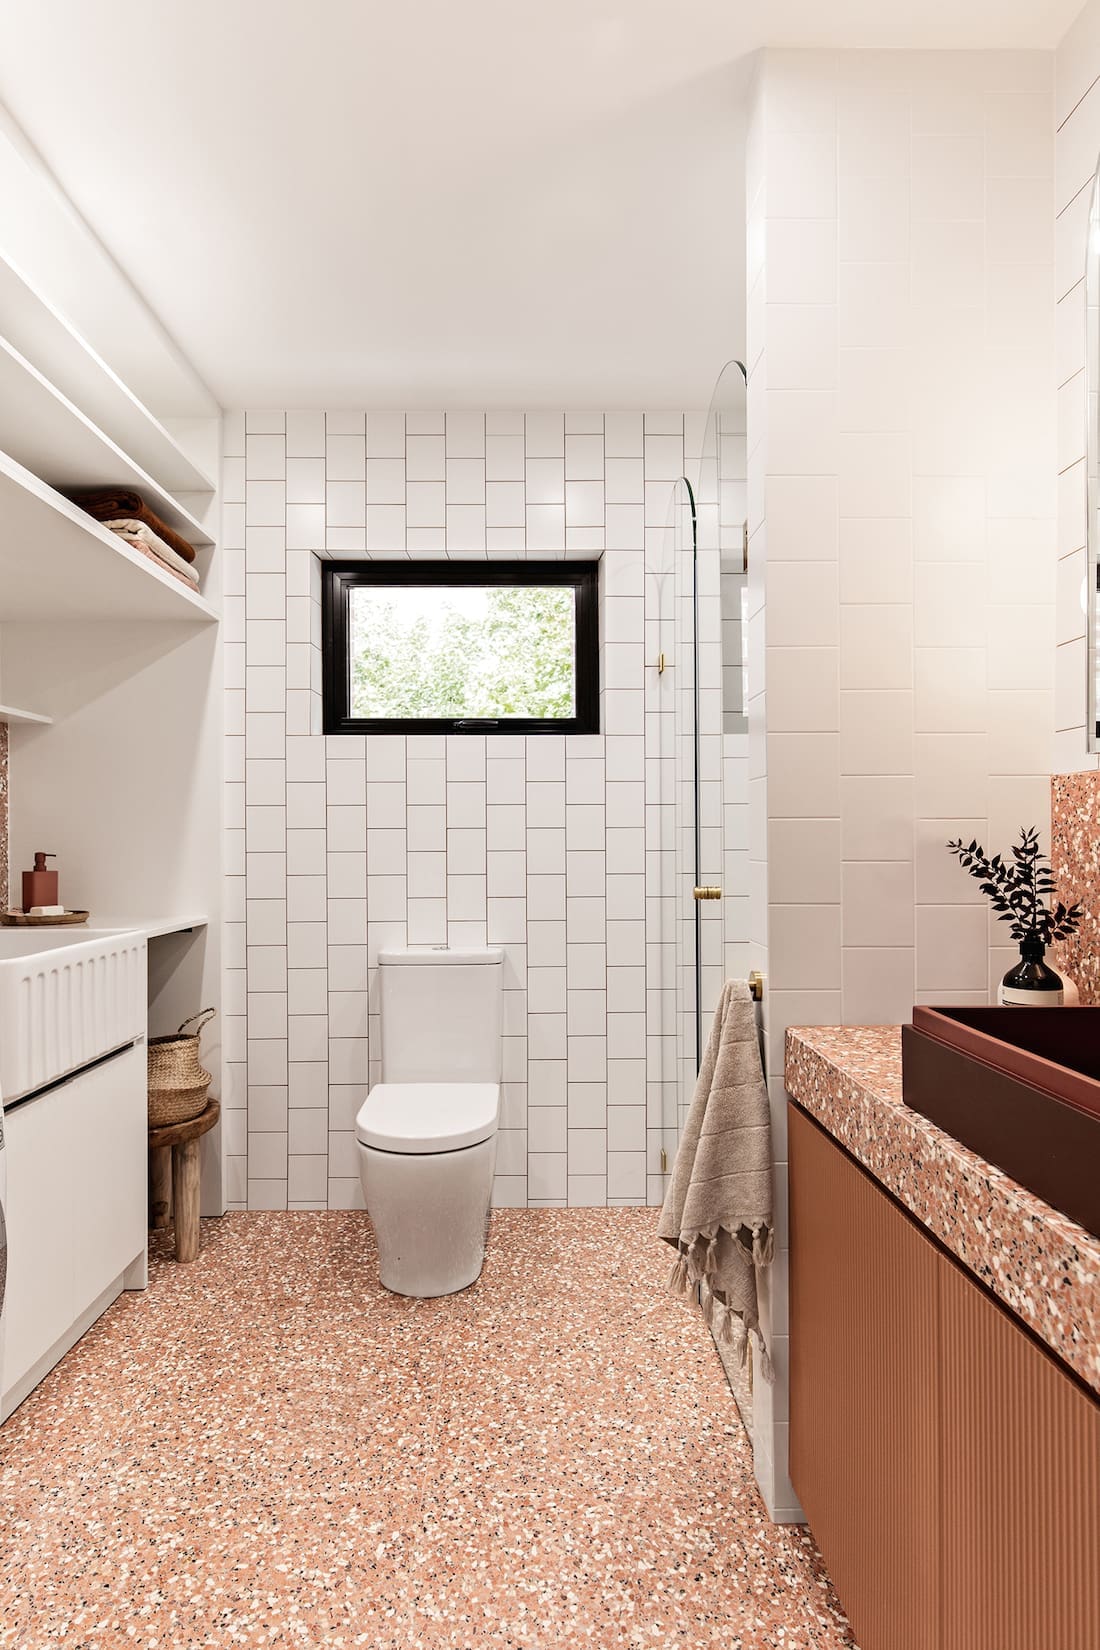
{"points": [[718, 1209]]}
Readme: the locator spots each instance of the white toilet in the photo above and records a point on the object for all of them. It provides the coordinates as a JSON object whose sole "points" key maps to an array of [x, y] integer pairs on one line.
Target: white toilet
{"points": [[427, 1132]]}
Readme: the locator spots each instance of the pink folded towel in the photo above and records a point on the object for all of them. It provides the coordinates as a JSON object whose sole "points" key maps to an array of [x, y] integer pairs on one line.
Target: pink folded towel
{"points": [[143, 538]]}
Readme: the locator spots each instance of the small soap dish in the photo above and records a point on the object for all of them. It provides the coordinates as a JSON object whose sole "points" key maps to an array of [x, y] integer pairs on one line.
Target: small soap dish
{"points": [[23, 919]]}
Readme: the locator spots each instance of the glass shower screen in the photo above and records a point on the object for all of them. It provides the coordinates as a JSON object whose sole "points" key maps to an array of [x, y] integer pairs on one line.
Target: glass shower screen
{"points": [[711, 728], [697, 734]]}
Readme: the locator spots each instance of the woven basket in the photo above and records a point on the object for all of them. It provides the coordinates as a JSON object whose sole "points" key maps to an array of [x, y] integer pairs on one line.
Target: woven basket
{"points": [[178, 1085]]}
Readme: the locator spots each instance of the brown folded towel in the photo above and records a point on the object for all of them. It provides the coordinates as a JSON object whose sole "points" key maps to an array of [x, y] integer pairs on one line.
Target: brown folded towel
{"points": [[108, 503], [717, 1212]]}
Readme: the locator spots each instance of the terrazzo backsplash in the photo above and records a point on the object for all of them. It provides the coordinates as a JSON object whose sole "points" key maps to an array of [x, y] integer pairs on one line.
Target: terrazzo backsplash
{"points": [[1075, 857]]}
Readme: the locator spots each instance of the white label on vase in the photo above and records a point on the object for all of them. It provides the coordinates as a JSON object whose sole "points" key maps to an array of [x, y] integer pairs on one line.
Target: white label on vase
{"points": [[1029, 999]]}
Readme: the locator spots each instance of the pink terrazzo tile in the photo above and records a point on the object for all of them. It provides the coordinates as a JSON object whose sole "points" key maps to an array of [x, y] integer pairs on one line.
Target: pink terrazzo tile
{"points": [[266, 1448]]}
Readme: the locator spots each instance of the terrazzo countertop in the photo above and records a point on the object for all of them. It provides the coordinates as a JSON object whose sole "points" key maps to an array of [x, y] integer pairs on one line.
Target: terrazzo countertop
{"points": [[1042, 1265]]}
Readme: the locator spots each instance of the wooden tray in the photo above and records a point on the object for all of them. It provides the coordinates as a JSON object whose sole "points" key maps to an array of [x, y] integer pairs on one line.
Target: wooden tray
{"points": [[21, 919]]}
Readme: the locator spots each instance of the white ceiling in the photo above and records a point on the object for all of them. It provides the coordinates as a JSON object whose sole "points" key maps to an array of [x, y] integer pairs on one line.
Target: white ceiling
{"points": [[434, 202]]}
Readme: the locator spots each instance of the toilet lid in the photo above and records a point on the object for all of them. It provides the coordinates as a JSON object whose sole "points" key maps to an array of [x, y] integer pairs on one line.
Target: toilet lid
{"points": [[427, 1117]]}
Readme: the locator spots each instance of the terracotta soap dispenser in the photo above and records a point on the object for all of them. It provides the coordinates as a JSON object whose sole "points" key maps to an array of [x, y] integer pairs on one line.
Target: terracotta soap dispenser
{"points": [[40, 885]]}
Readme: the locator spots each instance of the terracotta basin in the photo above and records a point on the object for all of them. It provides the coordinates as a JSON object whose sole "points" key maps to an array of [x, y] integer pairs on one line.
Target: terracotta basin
{"points": [[1019, 1086]]}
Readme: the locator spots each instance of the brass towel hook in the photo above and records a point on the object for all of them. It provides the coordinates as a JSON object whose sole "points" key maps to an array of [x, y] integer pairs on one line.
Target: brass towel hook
{"points": [[756, 985]]}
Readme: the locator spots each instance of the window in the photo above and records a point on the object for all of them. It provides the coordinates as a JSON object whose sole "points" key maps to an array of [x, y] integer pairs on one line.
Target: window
{"points": [[444, 647]]}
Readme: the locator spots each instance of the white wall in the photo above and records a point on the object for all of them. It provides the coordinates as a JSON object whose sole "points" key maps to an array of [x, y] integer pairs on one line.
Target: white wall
{"points": [[339, 845], [1077, 115], [902, 497]]}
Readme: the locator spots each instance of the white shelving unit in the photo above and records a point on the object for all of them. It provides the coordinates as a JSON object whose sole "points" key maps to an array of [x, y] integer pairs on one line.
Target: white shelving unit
{"points": [[154, 928], [41, 334], [8, 713], [119, 764], [42, 430], [57, 563]]}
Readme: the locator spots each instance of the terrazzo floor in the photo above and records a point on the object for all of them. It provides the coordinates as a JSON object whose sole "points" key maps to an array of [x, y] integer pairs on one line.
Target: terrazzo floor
{"points": [[266, 1449]]}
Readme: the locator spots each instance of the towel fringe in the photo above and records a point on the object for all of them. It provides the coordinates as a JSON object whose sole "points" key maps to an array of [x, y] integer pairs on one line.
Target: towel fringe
{"points": [[731, 1329], [678, 1280], [731, 1332], [734, 1333], [700, 1259]]}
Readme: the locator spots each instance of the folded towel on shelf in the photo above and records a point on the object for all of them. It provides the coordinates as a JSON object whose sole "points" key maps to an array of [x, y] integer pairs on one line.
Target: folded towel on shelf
{"points": [[717, 1213], [114, 503], [143, 538], [192, 584]]}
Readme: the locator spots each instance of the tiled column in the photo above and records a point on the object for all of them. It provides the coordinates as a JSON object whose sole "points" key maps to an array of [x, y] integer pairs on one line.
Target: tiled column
{"points": [[234, 929], [902, 504], [267, 885], [1077, 117]]}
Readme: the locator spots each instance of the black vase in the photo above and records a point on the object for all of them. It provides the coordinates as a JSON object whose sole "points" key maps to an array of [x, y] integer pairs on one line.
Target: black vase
{"points": [[1030, 983]]}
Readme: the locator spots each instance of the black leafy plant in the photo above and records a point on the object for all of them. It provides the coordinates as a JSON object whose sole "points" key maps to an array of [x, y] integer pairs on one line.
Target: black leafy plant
{"points": [[1020, 889]]}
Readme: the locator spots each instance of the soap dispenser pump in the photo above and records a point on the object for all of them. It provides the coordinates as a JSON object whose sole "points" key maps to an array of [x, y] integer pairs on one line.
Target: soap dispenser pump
{"points": [[40, 885]]}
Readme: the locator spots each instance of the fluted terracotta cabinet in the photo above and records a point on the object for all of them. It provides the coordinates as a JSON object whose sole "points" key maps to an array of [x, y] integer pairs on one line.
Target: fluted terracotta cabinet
{"points": [[948, 1465]]}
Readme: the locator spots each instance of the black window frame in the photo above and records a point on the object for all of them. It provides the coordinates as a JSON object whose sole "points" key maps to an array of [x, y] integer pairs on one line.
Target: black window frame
{"points": [[339, 578]]}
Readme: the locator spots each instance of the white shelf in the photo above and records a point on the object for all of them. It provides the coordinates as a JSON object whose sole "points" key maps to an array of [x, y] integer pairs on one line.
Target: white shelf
{"points": [[57, 563], [152, 927], [42, 430], [8, 713], [37, 331]]}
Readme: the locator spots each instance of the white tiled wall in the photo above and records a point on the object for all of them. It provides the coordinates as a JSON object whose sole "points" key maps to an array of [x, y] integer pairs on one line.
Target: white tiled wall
{"points": [[902, 514], [1077, 114], [340, 845]]}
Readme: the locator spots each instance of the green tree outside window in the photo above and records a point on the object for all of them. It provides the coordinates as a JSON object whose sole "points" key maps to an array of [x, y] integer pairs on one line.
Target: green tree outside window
{"points": [[472, 651]]}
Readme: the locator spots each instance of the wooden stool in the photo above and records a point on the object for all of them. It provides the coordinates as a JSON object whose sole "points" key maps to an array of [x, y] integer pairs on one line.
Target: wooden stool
{"points": [[174, 1175]]}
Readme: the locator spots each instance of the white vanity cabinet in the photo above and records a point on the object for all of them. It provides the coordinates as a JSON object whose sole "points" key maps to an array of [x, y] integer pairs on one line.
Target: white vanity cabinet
{"points": [[76, 1212]]}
